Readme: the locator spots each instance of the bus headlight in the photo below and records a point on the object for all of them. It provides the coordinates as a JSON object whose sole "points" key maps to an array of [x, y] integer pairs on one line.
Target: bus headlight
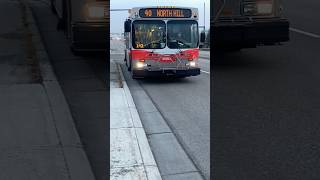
{"points": [[192, 64], [96, 11], [140, 64]]}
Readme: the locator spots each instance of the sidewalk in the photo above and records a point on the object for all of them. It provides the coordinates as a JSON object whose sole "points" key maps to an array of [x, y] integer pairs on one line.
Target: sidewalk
{"points": [[130, 154], [38, 139]]}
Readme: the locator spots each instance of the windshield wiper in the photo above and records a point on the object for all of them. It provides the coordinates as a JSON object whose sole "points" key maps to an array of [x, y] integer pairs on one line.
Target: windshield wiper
{"points": [[183, 44]]}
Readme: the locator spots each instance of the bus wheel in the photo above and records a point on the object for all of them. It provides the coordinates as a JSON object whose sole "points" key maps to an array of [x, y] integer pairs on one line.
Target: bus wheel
{"points": [[74, 51], [181, 77], [129, 65], [61, 25], [133, 75]]}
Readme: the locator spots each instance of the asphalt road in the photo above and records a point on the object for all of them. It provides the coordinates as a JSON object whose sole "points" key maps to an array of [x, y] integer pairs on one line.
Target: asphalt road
{"points": [[266, 105], [184, 103]]}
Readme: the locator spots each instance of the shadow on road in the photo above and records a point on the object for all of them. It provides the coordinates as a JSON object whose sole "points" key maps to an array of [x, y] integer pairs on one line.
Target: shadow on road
{"points": [[165, 80], [244, 59]]}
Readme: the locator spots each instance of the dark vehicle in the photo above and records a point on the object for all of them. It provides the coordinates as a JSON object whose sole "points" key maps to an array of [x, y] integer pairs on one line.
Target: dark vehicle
{"points": [[240, 24], [85, 22]]}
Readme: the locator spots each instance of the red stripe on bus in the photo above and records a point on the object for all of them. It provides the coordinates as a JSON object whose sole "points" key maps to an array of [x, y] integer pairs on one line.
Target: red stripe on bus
{"points": [[190, 54]]}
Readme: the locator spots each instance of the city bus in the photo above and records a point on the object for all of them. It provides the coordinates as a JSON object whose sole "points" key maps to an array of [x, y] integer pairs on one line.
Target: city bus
{"points": [[162, 41], [240, 24], [86, 23]]}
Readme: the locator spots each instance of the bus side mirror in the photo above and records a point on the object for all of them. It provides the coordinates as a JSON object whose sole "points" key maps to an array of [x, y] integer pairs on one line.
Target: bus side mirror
{"points": [[127, 26], [202, 37]]}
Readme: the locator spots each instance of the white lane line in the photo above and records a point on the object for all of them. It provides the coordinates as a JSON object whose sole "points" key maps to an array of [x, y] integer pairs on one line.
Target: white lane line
{"points": [[305, 33], [204, 57], [205, 71]]}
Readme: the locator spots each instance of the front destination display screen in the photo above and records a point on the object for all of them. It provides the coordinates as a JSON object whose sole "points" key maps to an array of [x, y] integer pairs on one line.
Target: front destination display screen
{"points": [[165, 13]]}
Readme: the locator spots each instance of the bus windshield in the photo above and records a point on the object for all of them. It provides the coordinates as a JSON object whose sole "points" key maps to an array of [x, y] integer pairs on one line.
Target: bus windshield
{"points": [[182, 34], [149, 34]]}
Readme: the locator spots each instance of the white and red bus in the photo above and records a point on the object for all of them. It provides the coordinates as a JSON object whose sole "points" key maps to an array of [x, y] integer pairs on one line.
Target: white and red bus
{"points": [[162, 41]]}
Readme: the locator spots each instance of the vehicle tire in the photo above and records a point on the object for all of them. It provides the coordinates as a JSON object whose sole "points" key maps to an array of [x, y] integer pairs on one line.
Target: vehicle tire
{"points": [[63, 21], [133, 75], [129, 65], [61, 25], [181, 77], [75, 52], [53, 8]]}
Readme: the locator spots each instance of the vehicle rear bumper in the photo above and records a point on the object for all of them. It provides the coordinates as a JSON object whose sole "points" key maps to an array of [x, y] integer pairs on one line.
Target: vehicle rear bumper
{"points": [[174, 73], [90, 36], [257, 32]]}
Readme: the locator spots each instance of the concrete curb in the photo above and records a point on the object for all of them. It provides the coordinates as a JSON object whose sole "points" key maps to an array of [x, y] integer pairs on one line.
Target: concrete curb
{"points": [[149, 162], [75, 157]]}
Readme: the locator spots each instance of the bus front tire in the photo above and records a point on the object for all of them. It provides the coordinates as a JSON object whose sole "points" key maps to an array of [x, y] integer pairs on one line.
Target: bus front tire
{"points": [[75, 52], [129, 66], [61, 25], [133, 75]]}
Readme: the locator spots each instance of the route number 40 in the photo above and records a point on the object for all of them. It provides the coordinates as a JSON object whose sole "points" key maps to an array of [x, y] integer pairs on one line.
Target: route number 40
{"points": [[148, 13]]}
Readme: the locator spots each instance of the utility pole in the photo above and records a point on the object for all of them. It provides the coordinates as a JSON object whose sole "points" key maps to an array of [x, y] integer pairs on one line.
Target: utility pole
{"points": [[204, 22], [204, 16]]}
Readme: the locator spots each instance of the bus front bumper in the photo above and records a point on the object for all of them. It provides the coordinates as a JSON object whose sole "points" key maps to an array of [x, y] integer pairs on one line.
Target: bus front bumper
{"points": [[257, 32], [174, 73], [90, 36]]}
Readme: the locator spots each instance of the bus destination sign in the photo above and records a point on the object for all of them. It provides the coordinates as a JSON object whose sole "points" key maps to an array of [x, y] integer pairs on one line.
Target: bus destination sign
{"points": [[165, 13]]}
